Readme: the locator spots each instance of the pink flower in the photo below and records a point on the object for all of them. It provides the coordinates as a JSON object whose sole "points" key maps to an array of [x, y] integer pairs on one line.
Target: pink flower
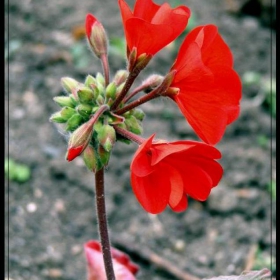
{"points": [[165, 173], [209, 90], [123, 267], [150, 27]]}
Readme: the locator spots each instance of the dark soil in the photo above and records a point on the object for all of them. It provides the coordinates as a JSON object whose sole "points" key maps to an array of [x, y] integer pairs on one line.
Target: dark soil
{"points": [[51, 216]]}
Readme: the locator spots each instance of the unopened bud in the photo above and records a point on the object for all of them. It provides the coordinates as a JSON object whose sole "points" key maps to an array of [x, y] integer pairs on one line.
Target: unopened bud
{"points": [[104, 155], [152, 82], [79, 140], [67, 112], [89, 81], [100, 79], [106, 137], [57, 118], [85, 95], [74, 122], [91, 159], [69, 84], [120, 77], [133, 125], [64, 101], [138, 114], [84, 110], [96, 36], [110, 91]]}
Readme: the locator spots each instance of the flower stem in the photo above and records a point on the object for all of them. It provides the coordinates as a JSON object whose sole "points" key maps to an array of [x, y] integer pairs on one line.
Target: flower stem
{"points": [[102, 223], [129, 135], [137, 102], [105, 65], [128, 83]]}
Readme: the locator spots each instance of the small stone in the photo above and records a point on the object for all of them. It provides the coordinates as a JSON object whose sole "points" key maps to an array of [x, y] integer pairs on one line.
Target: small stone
{"points": [[55, 273], [31, 207]]}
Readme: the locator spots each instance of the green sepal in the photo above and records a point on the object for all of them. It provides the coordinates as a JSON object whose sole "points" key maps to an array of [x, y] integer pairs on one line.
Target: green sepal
{"points": [[110, 91], [57, 118], [69, 84], [138, 114], [67, 112], [100, 79], [91, 159], [74, 122], [64, 101]]}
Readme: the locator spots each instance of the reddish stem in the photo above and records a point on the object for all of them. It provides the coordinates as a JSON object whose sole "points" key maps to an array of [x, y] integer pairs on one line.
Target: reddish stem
{"points": [[129, 135], [106, 71], [102, 222]]}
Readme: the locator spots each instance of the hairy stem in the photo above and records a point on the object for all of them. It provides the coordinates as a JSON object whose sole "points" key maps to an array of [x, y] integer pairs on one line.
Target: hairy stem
{"points": [[129, 135], [102, 223], [105, 65]]}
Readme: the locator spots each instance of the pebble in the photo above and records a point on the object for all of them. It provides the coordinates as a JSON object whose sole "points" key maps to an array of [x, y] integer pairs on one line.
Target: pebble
{"points": [[31, 207]]}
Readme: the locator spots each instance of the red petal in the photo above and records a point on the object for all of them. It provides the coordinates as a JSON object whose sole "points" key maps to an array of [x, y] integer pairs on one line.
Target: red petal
{"points": [[182, 205], [141, 162], [177, 185], [160, 151], [152, 191], [72, 153], [90, 20], [145, 9]]}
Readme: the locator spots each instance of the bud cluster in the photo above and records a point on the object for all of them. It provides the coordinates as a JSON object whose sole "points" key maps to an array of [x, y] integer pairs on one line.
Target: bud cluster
{"points": [[83, 100]]}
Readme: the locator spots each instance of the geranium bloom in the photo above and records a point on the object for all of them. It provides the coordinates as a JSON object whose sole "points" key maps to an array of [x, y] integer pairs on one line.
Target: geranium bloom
{"points": [[209, 90], [123, 267], [150, 27], [166, 172]]}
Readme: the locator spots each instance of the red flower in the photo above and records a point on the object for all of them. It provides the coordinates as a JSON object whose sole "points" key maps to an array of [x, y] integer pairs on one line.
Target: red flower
{"points": [[150, 27], [123, 267], [209, 89], [165, 173]]}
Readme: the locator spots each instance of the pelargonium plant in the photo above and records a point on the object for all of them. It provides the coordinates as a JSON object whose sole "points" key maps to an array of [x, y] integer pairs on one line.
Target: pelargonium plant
{"points": [[102, 110]]}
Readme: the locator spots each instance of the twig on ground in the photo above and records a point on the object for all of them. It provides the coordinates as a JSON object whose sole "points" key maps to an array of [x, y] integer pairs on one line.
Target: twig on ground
{"points": [[148, 255]]}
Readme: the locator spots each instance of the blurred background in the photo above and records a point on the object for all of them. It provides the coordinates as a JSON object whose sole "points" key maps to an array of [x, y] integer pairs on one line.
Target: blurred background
{"points": [[50, 211]]}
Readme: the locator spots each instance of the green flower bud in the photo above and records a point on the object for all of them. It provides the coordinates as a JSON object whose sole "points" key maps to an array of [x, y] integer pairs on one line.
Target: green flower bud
{"points": [[67, 112], [100, 79], [90, 81], [107, 137], [69, 84], [138, 114], [120, 77], [110, 91], [57, 118], [64, 101], [84, 110], [133, 125], [104, 155], [91, 159], [74, 122], [85, 95]]}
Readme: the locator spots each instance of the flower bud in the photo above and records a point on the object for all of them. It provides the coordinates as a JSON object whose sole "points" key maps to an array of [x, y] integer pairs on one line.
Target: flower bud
{"points": [[91, 159], [120, 77], [138, 114], [100, 79], [57, 118], [79, 140], [104, 156], [152, 82], [64, 101], [96, 36], [69, 84], [110, 91], [84, 110], [74, 122], [133, 125], [67, 112], [85, 95], [106, 137], [90, 81]]}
